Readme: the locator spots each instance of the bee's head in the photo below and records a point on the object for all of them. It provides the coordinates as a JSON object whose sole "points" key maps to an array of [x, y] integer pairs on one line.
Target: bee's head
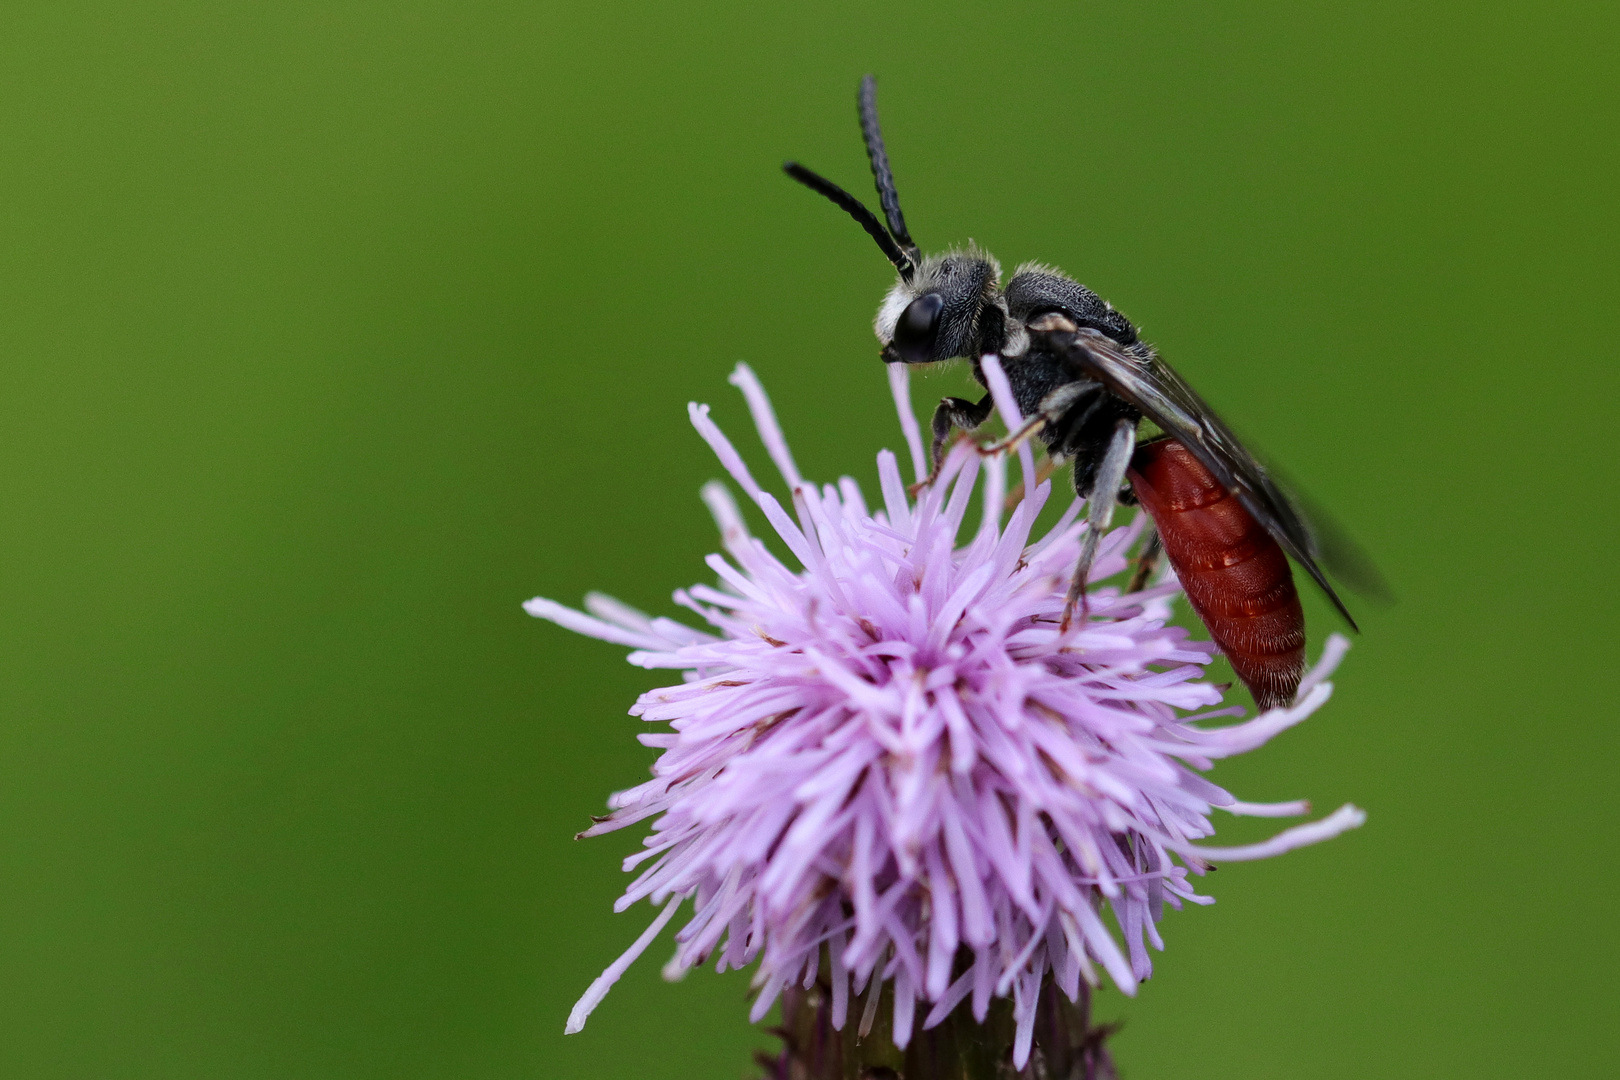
{"points": [[943, 309], [942, 306]]}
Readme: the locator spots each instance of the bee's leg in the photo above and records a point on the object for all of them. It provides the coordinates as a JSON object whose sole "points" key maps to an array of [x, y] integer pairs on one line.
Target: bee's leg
{"points": [[1147, 561], [1051, 409], [953, 412], [1105, 487]]}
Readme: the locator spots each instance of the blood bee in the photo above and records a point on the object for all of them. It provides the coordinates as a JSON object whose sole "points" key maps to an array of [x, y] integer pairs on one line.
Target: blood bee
{"points": [[1100, 397]]}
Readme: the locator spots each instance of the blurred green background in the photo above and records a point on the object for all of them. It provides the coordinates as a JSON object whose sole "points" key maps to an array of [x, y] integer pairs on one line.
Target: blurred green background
{"points": [[331, 332]]}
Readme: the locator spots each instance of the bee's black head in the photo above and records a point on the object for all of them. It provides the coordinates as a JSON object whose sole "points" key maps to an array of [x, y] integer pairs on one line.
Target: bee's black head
{"points": [[948, 307]]}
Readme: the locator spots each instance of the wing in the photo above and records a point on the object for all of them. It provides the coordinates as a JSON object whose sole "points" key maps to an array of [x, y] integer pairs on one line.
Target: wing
{"points": [[1138, 375]]}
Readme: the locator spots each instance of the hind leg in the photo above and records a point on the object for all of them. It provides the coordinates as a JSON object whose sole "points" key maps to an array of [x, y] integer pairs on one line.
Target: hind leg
{"points": [[1148, 561]]}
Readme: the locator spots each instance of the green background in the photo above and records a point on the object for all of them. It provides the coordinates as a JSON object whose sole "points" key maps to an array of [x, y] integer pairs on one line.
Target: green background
{"points": [[329, 332]]}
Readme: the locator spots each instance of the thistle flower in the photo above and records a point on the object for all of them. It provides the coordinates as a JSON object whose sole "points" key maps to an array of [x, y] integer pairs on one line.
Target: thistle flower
{"points": [[889, 766]]}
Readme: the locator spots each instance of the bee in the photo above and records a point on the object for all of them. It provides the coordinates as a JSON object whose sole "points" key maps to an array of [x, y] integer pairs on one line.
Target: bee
{"points": [[1103, 399]]}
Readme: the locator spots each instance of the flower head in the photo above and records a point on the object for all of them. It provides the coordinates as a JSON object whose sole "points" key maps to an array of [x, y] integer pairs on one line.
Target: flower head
{"points": [[890, 765]]}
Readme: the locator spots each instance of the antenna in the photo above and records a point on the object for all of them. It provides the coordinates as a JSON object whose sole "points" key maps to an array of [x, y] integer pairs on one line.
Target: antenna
{"points": [[866, 99], [904, 258]]}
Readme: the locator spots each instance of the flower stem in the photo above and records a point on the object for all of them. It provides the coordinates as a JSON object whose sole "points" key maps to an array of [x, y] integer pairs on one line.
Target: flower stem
{"points": [[1066, 1045]]}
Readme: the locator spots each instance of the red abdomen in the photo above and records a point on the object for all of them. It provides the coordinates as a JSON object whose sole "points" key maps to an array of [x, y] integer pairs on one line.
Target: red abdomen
{"points": [[1235, 575]]}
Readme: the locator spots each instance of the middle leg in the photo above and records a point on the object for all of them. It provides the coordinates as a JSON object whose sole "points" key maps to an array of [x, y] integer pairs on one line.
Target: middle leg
{"points": [[1110, 477]]}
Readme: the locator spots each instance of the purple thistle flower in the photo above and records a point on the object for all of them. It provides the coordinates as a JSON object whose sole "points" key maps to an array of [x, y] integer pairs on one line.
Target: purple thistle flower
{"points": [[893, 752]]}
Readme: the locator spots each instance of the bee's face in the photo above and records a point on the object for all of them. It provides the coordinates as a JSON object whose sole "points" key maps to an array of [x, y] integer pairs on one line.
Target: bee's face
{"points": [[939, 313]]}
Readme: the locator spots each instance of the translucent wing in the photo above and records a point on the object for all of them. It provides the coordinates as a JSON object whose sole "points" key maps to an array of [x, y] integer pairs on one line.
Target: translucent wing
{"points": [[1138, 375]]}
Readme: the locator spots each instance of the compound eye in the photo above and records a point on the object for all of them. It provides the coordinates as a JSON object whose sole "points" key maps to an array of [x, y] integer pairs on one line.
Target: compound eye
{"points": [[917, 329]]}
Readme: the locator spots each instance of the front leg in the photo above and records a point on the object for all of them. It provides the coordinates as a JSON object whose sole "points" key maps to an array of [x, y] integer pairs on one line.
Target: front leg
{"points": [[1105, 487], [955, 412]]}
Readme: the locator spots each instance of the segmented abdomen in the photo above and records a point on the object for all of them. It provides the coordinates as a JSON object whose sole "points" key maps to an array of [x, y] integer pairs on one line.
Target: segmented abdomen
{"points": [[1234, 574]]}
